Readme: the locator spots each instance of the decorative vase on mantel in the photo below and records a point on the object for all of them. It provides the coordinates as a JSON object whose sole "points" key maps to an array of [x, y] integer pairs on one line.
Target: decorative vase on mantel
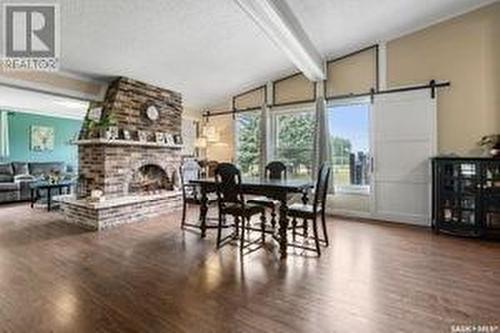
{"points": [[495, 151], [491, 143]]}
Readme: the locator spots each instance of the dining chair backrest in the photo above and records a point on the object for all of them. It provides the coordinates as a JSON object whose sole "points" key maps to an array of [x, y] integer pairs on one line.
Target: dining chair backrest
{"points": [[228, 184], [276, 170], [321, 187], [211, 166]]}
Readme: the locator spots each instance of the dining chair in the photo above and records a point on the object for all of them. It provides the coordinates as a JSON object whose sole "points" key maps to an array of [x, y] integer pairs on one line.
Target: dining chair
{"points": [[231, 202], [274, 170], [191, 170], [210, 168], [310, 212]]}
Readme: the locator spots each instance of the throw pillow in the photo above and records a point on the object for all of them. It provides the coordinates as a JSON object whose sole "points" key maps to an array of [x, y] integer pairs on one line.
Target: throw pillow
{"points": [[6, 169], [20, 168]]}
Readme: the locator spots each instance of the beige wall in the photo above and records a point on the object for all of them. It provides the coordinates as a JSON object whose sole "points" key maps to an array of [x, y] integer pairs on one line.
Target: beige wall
{"points": [[296, 88], [222, 151], [252, 99], [466, 51], [355, 74]]}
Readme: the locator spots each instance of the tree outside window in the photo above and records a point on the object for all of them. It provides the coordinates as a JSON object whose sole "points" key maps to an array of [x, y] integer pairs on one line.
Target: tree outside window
{"points": [[295, 142], [248, 143]]}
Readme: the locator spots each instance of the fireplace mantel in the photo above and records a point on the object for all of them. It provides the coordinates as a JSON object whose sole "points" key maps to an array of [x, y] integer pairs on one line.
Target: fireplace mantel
{"points": [[88, 142]]}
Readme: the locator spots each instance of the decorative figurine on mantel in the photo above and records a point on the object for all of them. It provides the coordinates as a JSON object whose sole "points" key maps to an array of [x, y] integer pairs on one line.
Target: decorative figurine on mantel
{"points": [[491, 144]]}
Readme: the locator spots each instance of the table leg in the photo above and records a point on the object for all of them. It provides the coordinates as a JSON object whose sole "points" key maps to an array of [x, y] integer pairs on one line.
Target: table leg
{"points": [[32, 197], [283, 221], [49, 199], [203, 211], [305, 199]]}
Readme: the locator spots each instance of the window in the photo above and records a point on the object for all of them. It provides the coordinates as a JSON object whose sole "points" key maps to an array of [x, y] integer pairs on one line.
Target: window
{"points": [[248, 143], [294, 141], [349, 137]]}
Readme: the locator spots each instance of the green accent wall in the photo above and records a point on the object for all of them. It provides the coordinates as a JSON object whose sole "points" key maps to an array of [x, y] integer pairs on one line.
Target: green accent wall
{"points": [[65, 130]]}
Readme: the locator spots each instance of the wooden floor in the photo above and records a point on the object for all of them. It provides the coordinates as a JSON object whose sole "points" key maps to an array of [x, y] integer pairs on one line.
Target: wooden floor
{"points": [[153, 277]]}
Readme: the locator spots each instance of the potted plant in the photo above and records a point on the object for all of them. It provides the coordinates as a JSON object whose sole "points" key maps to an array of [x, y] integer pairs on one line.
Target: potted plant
{"points": [[491, 143], [105, 124]]}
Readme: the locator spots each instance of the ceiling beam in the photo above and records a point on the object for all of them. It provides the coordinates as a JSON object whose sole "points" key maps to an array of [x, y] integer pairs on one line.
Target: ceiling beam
{"points": [[279, 23]]}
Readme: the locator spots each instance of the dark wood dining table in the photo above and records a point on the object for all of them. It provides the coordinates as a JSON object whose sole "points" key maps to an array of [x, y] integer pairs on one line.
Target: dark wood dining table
{"points": [[272, 188]]}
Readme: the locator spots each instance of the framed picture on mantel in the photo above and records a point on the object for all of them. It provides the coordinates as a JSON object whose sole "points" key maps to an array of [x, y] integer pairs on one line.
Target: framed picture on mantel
{"points": [[169, 139], [143, 136], [160, 137], [178, 139]]}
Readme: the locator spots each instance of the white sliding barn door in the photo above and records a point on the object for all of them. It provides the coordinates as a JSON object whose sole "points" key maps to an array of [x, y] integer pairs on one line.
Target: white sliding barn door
{"points": [[404, 138]]}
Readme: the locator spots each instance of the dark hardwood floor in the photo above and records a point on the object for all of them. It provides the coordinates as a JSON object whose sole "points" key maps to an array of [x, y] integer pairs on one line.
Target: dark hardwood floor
{"points": [[153, 277]]}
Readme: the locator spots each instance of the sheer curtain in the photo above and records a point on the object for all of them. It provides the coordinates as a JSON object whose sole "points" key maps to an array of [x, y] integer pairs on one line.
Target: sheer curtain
{"points": [[264, 139], [4, 135], [322, 148]]}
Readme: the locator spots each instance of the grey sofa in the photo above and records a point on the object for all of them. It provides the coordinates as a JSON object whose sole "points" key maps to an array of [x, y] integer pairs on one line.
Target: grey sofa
{"points": [[16, 177]]}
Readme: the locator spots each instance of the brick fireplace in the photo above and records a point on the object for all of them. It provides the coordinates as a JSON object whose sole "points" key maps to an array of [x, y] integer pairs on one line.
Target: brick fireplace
{"points": [[136, 172]]}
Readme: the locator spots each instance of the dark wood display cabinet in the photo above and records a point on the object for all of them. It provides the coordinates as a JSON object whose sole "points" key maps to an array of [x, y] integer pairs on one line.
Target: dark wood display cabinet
{"points": [[466, 196]]}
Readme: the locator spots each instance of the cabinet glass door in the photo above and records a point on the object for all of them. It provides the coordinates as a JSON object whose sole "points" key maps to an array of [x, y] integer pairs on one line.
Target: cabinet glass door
{"points": [[491, 195], [460, 187]]}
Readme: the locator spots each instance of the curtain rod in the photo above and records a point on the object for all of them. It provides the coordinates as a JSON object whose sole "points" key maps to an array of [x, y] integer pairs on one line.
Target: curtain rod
{"points": [[432, 85], [208, 114]]}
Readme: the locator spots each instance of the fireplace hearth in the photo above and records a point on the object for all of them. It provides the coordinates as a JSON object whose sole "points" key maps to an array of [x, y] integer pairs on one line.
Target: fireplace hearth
{"points": [[138, 179]]}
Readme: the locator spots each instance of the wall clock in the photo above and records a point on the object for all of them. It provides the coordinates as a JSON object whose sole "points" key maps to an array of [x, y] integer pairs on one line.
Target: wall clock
{"points": [[152, 113]]}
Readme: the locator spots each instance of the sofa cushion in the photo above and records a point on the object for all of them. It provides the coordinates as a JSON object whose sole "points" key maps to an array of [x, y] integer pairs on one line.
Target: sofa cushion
{"points": [[38, 169], [6, 169], [20, 168], [7, 187], [6, 173], [6, 178]]}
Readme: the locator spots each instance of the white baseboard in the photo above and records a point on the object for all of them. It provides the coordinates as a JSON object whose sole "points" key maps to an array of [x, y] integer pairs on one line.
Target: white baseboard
{"points": [[367, 215]]}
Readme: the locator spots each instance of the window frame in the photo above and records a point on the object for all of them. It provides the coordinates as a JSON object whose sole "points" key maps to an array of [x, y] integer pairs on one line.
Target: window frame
{"points": [[364, 190], [285, 110]]}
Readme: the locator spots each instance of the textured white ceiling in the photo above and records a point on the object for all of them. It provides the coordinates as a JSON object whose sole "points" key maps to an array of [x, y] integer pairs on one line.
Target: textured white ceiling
{"points": [[205, 49], [209, 49]]}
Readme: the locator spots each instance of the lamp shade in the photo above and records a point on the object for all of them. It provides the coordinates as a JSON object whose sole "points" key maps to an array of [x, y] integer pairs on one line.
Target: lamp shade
{"points": [[211, 134]]}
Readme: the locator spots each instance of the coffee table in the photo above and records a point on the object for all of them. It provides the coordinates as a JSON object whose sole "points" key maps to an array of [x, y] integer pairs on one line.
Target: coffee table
{"points": [[37, 187]]}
